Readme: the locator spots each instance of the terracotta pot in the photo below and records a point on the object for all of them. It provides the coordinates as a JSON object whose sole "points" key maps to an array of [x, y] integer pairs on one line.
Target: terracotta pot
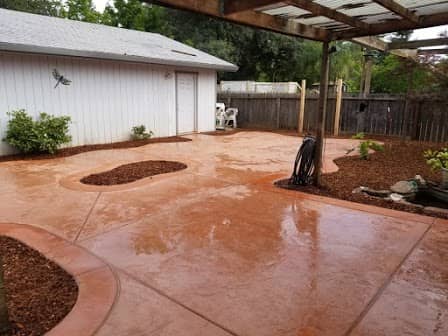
{"points": [[444, 178]]}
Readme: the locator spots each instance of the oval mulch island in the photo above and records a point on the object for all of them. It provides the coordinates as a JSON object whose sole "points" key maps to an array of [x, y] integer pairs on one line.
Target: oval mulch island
{"points": [[132, 172], [39, 293]]}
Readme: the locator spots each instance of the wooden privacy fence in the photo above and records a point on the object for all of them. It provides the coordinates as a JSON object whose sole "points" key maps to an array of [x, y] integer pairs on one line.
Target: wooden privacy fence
{"points": [[420, 118]]}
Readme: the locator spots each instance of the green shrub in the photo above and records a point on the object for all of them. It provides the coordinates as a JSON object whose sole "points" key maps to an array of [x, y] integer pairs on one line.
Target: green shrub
{"points": [[364, 150], [366, 145], [43, 135], [359, 135], [437, 159], [139, 133]]}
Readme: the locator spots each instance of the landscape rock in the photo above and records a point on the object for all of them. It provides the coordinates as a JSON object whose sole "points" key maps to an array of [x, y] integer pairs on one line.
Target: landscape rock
{"points": [[377, 193], [357, 190], [405, 187], [420, 180], [396, 197]]}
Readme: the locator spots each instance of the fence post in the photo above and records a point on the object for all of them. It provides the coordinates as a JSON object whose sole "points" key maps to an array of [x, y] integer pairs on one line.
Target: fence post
{"points": [[277, 108], [337, 113], [416, 120], [322, 114], [302, 107]]}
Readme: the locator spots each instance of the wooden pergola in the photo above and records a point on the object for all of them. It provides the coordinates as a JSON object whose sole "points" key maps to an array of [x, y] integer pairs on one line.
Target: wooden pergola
{"points": [[327, 21]]}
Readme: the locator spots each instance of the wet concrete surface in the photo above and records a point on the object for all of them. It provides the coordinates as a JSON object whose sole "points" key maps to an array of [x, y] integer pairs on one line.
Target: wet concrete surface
{"points": [[216, 249]]}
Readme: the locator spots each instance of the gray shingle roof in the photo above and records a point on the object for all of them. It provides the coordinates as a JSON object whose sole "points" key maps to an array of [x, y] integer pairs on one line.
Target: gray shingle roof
{"points": [[26, 32]]}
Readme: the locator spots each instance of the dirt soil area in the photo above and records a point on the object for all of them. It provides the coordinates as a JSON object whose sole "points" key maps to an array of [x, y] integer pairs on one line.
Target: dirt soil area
{"points": [[401, 160], [39, 293], [132, 172], [64, 152]]}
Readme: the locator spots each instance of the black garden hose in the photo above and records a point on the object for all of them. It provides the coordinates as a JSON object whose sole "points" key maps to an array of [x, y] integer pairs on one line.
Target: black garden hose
{"points": [[304, 162]]}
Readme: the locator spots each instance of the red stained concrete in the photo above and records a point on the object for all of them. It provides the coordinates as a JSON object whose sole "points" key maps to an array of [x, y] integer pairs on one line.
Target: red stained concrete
{"points": [[216, 249]]}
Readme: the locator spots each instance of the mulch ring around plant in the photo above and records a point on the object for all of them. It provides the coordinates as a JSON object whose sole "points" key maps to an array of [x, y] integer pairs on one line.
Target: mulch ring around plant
{"points": [[401, 160], [39, 293], [132, 172], [64, 152]]}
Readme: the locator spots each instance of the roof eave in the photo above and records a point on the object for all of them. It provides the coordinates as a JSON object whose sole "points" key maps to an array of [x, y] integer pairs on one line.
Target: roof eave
{"points": [[25, 48]]}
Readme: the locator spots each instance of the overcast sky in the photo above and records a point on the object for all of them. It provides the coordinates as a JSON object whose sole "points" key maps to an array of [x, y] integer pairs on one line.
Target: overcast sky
{"points": [[100, 4], [419, 34]]}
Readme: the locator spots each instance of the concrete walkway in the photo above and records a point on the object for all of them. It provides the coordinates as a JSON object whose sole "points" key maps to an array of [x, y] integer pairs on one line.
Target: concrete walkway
{"points": [[216, 249]]}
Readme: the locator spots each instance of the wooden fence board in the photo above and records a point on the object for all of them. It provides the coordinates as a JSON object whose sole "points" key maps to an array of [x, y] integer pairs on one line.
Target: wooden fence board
{"points": [[425, 120]]}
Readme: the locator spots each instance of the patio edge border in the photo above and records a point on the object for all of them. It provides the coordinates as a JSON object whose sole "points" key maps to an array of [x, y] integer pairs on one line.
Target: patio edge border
{"points": [[98, 287]]}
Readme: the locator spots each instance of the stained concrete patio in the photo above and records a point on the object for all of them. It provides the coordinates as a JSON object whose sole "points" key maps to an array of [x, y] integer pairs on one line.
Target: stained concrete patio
{"points": [[216, 249]]}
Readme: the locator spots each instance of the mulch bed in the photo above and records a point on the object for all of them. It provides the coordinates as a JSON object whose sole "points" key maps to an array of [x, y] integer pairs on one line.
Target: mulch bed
{"points": [[401, 160], [64, 152], [39, 293], [132, 172]]}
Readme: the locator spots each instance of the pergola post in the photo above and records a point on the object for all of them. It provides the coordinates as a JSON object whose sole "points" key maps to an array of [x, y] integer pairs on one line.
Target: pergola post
{"points": [[337, 112], [302, 107], [368, 75], [408, 125], [322, 112]]}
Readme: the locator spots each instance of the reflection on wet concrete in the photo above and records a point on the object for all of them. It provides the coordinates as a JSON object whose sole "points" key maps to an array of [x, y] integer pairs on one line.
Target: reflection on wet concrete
{"points": [[240, 254]]}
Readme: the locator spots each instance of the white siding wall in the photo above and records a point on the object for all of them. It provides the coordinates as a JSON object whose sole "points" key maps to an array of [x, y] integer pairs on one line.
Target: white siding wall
{"points": [[105, 99], [206, 100]]}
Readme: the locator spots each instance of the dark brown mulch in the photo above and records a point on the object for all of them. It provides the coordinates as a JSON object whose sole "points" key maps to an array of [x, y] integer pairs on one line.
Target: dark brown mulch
{"points": [[401, 160], [132, 172], [64, 152], [39, 293]]}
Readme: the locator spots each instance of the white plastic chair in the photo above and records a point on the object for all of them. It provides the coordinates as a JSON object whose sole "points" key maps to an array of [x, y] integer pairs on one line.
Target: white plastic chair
{"points": [[220, 108], [230, 116], [220, 116]]}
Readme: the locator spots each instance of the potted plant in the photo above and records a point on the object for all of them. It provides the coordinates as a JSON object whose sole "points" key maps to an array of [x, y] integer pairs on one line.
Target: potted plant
{"points": [[438, 160]]}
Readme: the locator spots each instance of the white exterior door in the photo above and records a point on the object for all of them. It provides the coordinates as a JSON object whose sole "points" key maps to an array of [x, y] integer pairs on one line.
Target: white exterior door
{"points": [[186, 102]]}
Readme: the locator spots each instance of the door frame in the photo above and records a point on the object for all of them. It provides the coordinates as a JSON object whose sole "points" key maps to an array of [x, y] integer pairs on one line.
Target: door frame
{"points": [[195, 121]]}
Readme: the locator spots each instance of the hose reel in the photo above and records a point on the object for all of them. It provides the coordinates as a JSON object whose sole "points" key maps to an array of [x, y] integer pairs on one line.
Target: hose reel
{"points": [[304, 163]]}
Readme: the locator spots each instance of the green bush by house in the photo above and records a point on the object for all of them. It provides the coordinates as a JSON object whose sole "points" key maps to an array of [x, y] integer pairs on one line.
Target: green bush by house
{"points": [[46, 134]]}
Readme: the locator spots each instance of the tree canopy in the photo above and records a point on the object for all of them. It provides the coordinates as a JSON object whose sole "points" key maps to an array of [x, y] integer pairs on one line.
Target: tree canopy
{"points": [[261, 55]]}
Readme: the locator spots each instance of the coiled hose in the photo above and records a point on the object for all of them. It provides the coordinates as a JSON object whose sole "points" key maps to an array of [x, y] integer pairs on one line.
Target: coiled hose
{"points": [[304, 162]]}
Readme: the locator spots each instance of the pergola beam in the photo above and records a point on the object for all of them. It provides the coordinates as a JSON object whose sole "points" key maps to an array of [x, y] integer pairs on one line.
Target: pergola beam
{"points": [[374, 42], [249, 18], [442, 41], [236, 6], [319, 10], [442, 51], [398, 9], [393, 26]]}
